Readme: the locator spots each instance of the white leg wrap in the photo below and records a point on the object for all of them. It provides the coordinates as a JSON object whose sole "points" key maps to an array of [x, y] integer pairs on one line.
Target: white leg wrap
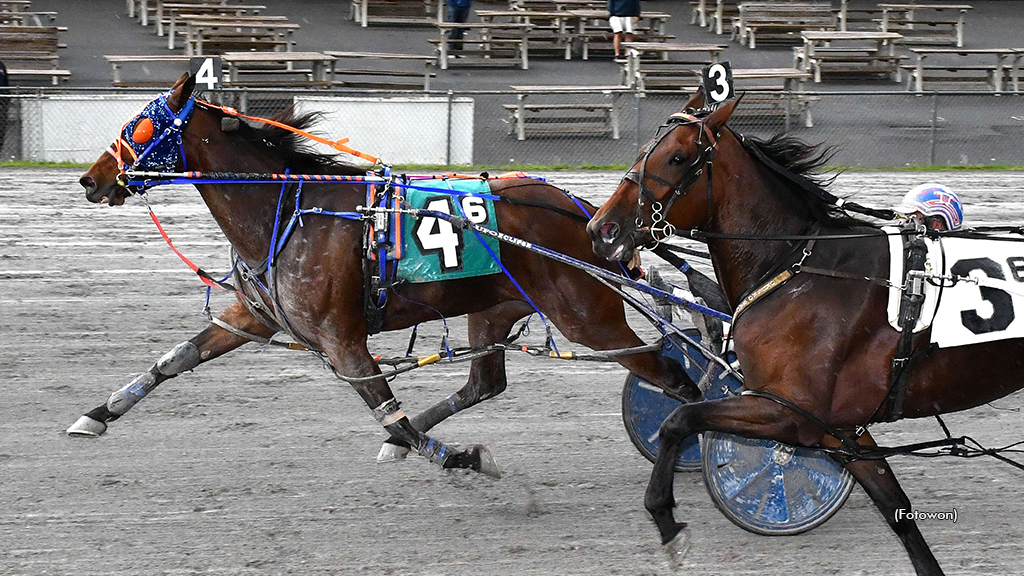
{"points": [[123, 400], [392, 418], [181, 358], [388, 412]]}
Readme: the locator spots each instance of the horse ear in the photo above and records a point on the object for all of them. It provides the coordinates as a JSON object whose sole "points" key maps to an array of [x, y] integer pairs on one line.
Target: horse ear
{"points": [[181, 79], [696, 101], [181, 91], [719, 117]]}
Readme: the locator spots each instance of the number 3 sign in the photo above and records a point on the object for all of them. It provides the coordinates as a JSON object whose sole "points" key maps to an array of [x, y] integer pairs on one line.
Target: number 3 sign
{"points": [[717, 83]]}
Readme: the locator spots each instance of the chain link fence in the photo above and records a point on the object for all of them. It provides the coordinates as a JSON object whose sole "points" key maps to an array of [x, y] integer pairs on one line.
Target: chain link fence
{"points": [[585, 129]]}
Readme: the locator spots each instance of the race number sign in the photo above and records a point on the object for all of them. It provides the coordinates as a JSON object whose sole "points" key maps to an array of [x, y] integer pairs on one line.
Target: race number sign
{"points": [[433, 249], [991, 306], [207, 71], [717, 83]]}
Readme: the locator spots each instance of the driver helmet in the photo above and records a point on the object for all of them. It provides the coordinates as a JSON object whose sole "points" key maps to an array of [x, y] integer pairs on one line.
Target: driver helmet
{"points": [[931, 201]]}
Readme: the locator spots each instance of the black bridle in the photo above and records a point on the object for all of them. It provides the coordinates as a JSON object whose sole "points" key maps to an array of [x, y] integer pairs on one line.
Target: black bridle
{"points": [[660, 228]]}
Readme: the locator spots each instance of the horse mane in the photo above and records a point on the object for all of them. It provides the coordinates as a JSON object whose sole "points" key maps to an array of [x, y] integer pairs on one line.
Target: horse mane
{"points": [[294, 150], [806, 161]]}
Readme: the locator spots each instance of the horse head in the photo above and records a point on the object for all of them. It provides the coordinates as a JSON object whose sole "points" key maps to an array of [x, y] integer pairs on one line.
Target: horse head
{"points": [[660, 191], [151, 140]]}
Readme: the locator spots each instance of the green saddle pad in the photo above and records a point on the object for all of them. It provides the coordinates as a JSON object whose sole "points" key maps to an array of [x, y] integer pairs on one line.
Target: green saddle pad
{"points": [[435, 250]]}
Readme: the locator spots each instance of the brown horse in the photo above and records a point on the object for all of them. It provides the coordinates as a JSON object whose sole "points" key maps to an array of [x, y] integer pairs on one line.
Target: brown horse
{"points": [[819, 343], [320, 281]]}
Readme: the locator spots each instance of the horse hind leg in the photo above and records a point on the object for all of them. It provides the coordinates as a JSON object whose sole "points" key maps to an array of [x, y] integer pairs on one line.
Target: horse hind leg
{"points": [[212, 342], [354, 361], [878, 480], [747, 416], [486, 374]]}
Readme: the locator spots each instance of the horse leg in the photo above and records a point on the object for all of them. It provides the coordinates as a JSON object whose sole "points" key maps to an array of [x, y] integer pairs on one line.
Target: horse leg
{"points": [[212, 342], [877, 479], [603, 327], [354, 364], [486, 374], [748, 416]]}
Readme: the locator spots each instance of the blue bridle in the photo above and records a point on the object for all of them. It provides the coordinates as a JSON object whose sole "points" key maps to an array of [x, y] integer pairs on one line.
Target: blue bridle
{"points": [[161, 149]]}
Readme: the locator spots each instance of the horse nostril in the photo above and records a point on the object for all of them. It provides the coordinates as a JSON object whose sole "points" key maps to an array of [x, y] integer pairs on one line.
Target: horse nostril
{"points": [[88, 183], [609, 231]]}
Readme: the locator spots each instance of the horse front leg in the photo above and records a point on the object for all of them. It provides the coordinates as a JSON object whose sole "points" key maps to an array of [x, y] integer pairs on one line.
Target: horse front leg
{"points": [[212, 342], [486, 374], [355, 365], [747, 416], [877, 479]]}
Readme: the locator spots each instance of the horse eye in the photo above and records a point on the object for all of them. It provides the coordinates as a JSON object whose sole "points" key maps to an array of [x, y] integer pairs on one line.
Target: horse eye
{"points": [[676, 159]]}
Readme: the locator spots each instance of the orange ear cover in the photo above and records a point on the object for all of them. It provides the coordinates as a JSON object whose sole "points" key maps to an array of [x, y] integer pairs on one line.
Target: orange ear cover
{"points": [[143, 131]]}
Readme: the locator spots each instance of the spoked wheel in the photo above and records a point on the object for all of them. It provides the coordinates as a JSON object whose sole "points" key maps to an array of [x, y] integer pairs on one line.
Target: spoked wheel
{"points": [[644, 408], [770, 488]]}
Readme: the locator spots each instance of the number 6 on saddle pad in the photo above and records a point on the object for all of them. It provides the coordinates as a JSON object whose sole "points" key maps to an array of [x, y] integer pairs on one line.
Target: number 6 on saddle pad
{"points": [[433, 249]]}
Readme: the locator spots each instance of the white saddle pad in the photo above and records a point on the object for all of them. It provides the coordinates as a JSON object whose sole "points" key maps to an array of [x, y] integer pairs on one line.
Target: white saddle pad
{"points": [[988, 306]]}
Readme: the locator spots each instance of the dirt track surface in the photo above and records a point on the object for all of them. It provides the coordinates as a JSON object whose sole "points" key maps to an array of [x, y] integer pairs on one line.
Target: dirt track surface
{"points": [[262, 463]]}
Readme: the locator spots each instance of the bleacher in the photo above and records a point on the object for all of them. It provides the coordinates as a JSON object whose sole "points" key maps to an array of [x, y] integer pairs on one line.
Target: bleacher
{"points": [[30, 44]]}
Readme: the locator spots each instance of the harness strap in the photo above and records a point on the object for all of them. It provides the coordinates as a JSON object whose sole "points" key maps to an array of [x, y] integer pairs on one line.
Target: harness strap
{"points": [[849, 443], [203, 275], [255, 338], [845, 275], [904, 358], [762, 291]]}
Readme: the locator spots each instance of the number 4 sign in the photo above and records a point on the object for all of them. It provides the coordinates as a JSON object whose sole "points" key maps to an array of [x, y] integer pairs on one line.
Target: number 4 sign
{"points": [[717, 83], [207, 70]]}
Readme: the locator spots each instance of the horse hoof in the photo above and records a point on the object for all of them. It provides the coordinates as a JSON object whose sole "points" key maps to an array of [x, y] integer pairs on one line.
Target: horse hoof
{"points": [[391, 453], [87, 427], [485, 461], [668, 536]]}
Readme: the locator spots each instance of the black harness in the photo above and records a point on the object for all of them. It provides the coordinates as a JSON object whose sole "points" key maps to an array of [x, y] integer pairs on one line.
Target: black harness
{"points": [[660, 228]]}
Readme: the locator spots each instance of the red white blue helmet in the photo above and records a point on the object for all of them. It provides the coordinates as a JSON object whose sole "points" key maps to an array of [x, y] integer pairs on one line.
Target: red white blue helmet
{"points": [[931, 199]]}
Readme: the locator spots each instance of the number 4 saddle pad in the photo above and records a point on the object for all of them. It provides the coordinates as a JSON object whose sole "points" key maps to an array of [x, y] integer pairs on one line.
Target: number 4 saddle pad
{"points": [[433, 249], [986, 303]]}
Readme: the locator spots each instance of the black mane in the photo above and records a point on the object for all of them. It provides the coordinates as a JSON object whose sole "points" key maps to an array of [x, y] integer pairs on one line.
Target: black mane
{"points": [[294, 150], [806, 161]]}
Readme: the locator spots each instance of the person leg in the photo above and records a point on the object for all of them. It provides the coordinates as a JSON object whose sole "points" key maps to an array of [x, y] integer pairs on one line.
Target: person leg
{"points": [[616, 24], [457, 14]]}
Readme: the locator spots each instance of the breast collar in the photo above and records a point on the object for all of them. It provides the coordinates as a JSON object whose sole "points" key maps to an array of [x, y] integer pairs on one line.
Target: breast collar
{"points": [[660, 228]]}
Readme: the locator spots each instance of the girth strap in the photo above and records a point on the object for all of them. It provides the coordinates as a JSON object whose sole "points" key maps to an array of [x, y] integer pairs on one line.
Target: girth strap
{"points": [[904, 358]]}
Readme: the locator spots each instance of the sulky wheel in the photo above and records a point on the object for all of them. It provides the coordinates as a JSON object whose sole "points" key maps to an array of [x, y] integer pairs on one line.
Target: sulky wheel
{"points": [[645, 406], [770, 488]]}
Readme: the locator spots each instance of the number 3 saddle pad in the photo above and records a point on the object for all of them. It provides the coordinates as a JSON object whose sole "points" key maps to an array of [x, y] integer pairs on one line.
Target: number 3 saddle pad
{"points": [[433, 249], [986, 304]]}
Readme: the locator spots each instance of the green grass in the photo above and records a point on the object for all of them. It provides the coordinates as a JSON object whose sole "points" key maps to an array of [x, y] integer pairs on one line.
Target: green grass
{"points": [[539, 168]]}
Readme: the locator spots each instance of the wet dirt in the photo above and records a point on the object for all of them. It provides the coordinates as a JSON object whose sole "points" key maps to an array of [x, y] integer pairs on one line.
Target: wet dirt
{"points": [[263, 463]]}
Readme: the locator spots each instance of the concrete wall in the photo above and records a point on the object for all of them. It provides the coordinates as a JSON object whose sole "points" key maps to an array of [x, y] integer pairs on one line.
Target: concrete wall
{"points": [[399, 130]]}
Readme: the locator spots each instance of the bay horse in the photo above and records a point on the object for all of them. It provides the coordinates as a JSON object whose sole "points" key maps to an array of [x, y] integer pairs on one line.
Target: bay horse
{"points": [[818, 343], [320, 281]]}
